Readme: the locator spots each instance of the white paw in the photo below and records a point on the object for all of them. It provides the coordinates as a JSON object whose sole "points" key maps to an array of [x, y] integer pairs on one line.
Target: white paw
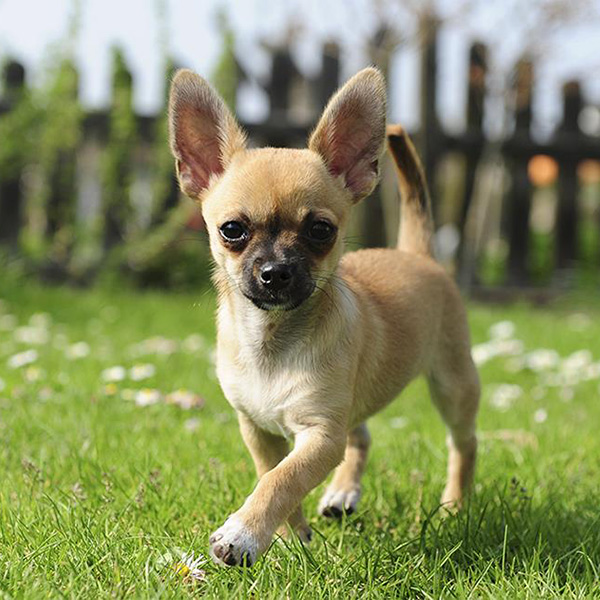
{"points": [[336, 502], [234, 544]]}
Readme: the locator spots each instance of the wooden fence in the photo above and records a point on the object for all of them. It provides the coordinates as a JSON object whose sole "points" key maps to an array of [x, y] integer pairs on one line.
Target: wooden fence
{"points": [[137, 155]]}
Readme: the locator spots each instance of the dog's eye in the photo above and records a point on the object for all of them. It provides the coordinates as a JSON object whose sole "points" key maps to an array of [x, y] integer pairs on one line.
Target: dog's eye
{"points": [[233, 231], [321, 231]]}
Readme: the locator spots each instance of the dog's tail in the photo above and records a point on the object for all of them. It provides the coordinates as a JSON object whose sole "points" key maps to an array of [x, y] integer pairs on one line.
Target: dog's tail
{"points": [[416, 223]]}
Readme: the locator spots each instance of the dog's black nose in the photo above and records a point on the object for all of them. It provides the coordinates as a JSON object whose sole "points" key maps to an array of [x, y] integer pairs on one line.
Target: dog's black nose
{"points": [[276, 276]]}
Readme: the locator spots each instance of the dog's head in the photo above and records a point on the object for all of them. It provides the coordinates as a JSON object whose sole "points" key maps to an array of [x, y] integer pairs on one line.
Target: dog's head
{"points": [[276, 217]]}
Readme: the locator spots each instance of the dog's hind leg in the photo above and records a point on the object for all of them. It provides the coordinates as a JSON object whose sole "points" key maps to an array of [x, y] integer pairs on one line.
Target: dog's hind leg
{"points": [[343, 493], [454, 387], [268, 451]]}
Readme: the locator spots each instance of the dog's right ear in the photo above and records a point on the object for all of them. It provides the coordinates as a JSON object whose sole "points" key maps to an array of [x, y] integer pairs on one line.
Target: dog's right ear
{"points": [[203, 133]]}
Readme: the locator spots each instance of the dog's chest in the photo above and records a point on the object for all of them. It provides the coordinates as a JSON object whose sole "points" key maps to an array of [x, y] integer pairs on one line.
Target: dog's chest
{"points": [[267, 393]]}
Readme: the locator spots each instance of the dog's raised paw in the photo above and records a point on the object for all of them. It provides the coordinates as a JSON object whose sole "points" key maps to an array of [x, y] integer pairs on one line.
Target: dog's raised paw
{"points": [[233, 544], [336, 502]]}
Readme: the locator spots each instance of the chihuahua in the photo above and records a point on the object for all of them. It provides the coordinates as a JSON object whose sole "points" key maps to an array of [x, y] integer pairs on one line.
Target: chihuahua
{"points": [[312, 342]]}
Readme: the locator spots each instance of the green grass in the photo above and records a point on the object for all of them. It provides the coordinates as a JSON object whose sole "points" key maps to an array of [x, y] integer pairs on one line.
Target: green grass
{"points": [[95, 490]]}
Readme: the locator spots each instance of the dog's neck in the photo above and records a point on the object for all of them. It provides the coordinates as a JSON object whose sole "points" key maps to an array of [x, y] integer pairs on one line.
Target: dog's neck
{"points": [[269, 333]]}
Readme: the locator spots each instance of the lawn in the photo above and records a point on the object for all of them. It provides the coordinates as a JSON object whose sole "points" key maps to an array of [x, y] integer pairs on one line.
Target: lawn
{"points": [[107, 476]]}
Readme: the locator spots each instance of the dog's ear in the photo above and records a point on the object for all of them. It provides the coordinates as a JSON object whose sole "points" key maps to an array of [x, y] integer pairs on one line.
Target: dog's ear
{"points": [[203, 133], [350, 135]]}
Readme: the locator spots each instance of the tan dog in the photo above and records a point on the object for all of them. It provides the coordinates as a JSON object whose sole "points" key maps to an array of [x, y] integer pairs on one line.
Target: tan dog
{"points": [[310, 343]]}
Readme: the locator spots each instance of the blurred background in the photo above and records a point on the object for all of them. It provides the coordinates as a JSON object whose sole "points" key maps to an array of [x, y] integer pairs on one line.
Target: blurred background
{"points": [[502, 98]]}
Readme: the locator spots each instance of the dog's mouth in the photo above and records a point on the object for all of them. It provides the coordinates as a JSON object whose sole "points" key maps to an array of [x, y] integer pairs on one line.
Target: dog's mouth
{"points": [[283, 302], [274, 305]]}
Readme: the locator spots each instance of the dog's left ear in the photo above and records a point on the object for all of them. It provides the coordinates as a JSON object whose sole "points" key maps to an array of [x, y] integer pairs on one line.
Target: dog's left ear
{"points": [[350, 135]]}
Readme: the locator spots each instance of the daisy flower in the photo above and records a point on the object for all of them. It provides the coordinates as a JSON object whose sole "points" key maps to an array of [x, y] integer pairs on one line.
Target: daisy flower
{"points": [[542, 359], [502, 330], [34, 374], [155, 345], [504, 396], [194, 343], [185, 399], [78, 350], [140, 372], [40, 320], [147, 397], [33, 336], [22, 359], [116, 373], [189, 567], [576, 362]]}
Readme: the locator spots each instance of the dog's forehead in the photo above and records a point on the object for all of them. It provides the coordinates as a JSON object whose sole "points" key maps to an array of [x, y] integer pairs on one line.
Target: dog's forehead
{"points": [[288, 183]]}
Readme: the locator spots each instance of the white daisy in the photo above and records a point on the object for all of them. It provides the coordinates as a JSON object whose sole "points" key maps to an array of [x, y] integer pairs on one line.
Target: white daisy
{"points": [[147, 397], [592, 371], [482, 353], [503, 330], [185, 399], [116, 373], [542, 359], [509, 347], [155, 345], [504, 396], [33, 336], [40, 320], [141, 372], [194, 343], [576, 362], [22, 359], [33, 374], [189, 567], [540, 415], [77, 350]]}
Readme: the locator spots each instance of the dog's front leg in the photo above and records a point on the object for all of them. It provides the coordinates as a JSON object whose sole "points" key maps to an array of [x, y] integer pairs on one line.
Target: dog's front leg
{"points": [[267, 452], [248, 532]]}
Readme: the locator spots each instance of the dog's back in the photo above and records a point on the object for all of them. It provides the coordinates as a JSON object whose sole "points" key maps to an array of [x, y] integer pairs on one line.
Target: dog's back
{"points": [[410, 305]]}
